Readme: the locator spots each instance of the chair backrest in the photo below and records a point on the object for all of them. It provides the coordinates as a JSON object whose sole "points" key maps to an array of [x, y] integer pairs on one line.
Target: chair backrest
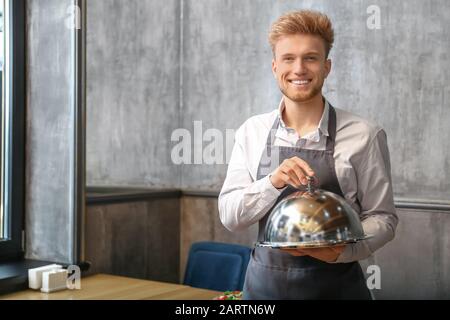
{"points": [[217, 266]]}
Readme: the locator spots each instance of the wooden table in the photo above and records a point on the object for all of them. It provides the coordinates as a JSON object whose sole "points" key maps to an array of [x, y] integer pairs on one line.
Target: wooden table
{"points": [[108, 287]]}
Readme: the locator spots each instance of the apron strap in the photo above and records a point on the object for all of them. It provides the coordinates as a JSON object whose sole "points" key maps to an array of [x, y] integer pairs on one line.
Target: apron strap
{"points": [[271, 136], [331, 129]]}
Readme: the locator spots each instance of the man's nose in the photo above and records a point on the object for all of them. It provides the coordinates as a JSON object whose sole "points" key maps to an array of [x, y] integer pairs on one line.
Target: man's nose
{"points": [[299, 66]]}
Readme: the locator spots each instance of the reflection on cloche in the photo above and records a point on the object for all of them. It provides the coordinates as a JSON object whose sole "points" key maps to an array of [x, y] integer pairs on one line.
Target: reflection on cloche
{"points": [[313, 218]]}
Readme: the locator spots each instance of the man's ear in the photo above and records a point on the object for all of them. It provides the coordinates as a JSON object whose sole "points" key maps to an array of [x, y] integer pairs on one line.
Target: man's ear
{"points": [[274, 68], [327, 67]]}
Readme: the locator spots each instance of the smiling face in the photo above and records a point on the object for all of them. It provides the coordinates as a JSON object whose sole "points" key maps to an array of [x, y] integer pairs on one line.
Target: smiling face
{"points": [[300, 66]]}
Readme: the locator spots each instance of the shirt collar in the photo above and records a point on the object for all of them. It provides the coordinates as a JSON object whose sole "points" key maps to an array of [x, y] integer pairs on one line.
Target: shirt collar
{"points": [[323, 123]]}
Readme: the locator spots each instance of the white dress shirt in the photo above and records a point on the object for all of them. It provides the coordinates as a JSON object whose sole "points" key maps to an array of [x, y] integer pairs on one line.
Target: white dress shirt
{"points": [[362, 167]]}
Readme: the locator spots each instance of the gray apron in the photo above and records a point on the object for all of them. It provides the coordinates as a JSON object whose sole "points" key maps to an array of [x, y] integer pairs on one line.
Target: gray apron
{"points": [[274, 274]]}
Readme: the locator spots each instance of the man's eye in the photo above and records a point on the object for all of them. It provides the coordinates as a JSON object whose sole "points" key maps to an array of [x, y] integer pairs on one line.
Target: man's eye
{"points": [[310, 58], [288, 59]]}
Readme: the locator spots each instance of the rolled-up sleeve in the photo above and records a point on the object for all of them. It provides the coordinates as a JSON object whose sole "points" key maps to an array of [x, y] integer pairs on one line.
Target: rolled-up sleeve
{"points": [[375, 195], [242, 200]]}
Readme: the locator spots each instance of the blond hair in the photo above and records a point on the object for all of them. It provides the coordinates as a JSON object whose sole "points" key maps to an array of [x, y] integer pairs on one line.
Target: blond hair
{"points": [[303, 22]]}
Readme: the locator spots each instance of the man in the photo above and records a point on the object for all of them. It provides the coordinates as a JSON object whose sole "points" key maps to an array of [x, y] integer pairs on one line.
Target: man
{"points": [[345, 153]]}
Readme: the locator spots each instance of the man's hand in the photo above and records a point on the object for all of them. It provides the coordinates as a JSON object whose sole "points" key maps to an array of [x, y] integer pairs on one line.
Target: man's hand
{"points": [[327, 254], [292, 171]]}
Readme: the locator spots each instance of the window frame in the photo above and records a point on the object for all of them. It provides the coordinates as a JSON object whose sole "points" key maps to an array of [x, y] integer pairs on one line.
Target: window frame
{"points": [[14, 176]]}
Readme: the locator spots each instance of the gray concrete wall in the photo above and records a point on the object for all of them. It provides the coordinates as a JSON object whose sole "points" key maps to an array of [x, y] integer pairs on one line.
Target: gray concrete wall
{"points": [[49, 140], [226, 72], [416, 264], [394, 76], [132, 92], [398, 76]]}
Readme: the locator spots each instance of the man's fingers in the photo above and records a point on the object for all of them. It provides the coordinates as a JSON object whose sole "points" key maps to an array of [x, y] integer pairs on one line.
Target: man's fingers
{"points": [[294, 252], [298, 171], [294, 171], [304, 165], [287, 180], [327, 254], [291, 175], [338, 249]]}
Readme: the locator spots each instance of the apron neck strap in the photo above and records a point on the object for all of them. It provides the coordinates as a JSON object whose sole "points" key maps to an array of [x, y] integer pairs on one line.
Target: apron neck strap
{"points": [[331, 128], [271, 136]]}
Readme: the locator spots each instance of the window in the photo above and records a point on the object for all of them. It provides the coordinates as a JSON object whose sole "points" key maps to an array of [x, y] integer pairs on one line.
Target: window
{"points": [[2, 56], [12, 78]]}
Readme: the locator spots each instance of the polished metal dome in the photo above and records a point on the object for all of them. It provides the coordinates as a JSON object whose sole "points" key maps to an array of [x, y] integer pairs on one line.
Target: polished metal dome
{"points": [[312, 218]]}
